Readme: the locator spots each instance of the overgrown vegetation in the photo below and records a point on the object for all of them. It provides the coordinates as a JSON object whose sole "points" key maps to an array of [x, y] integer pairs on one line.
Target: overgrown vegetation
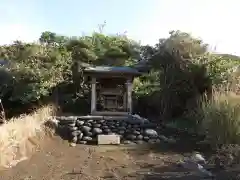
{"points": [[182, 74], [21, 135]]}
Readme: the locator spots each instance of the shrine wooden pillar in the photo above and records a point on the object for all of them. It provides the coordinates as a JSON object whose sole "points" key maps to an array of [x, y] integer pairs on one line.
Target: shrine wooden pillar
{"points": [[129, 95], [93, 95]]}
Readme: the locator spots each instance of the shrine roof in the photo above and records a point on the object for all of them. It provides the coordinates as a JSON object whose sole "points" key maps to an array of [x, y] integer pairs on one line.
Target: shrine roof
{"points": [[112, 69]]}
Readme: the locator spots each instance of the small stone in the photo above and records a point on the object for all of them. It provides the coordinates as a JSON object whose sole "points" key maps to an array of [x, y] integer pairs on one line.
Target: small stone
{"points": [[128, 131], [102, 121], [121, 128], [90, 121], [79, 122], [151, 141], [82, 142], [97, 131], [97, 125], [135, 126], [87, 138], [146, 138], [112, 127], [86, 128], [88, 124], [80, 136], [72, 128], [162, 137], [140, 137], [105, 127], [123, 124], [73, 144], [76, 133], [127, 142], [74, 139], [121, 132], [106, 130], [136, 132], [114, 130], [171, 140], [72, 124], [88, 133], [131, 137], [139, 142], [151, 133], [129, 126]]}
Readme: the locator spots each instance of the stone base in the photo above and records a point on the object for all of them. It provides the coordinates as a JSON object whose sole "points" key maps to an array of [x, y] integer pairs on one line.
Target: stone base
{"points": [[108, 139]]}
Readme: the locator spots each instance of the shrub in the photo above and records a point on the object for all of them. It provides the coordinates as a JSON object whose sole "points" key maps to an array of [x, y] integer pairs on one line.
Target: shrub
{"points": [[21, 134], [221, 118]]}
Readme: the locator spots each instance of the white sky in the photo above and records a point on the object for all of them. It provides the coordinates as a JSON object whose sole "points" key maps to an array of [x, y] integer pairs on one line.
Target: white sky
{"points": [[215, 21]]}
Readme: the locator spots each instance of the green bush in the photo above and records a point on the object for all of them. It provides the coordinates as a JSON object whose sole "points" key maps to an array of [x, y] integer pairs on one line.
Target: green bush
{"points": [[220, 119]]}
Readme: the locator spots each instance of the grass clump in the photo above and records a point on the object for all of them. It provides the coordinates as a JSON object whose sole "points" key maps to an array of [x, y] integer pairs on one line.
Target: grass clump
{"points": [[221, 118], [20, 135]]}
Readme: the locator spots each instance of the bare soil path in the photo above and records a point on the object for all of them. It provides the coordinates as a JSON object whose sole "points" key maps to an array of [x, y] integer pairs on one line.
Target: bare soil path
{"points": [[55, 160]]}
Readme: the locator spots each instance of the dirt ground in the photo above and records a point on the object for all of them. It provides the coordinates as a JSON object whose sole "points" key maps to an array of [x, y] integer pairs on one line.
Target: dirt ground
{"points": [[55, 160]]}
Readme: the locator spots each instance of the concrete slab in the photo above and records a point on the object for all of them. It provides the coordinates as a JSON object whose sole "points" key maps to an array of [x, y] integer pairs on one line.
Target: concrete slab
{"points": [[108, 139]]}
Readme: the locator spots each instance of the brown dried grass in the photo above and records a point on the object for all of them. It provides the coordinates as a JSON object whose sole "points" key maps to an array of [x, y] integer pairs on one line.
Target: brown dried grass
{"points": [[21, 135]]}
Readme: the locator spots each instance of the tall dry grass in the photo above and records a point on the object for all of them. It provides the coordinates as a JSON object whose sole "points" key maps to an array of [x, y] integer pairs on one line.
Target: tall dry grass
{"points": [[21, 135], [220, 118]]}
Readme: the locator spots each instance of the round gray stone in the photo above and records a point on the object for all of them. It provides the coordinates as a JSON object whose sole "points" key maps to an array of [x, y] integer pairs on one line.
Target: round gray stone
{"points": [[139, 137], [72, 124], [80, 136], [75, 133], [97, 125], [82, 142], [87, 138], [151, 133], [146, 138], [74, 139], [106, 130], [139, 142], [88, 124], [79, 123], [88, 133], [102, 121], [115, 130], [122, 128], [72, 128], [86, 128], [131, 137], [105, 127], [121, 132], [112, 127], [136, 132], [127, 142], [90, 121], [97, 131]]}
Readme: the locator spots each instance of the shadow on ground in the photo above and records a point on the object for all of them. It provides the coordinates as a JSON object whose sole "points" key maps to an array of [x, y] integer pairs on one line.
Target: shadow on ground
{"points": [[168, 172]]}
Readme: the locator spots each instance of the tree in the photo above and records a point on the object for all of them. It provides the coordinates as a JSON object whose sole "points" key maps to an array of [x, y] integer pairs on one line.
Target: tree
{"points": [[187, 46]]}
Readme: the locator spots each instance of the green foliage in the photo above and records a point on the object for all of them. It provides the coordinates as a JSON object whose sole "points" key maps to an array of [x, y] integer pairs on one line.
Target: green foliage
{"points": [[36, 69], [184, 43], [219, 119]]}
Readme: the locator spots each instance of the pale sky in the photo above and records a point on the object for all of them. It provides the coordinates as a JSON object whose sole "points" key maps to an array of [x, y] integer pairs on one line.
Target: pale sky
{"points": [[215, 21]]}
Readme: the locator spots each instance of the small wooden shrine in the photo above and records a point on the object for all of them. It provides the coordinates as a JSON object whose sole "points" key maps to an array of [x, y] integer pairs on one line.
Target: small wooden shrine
{"points": [[111, 89]]}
